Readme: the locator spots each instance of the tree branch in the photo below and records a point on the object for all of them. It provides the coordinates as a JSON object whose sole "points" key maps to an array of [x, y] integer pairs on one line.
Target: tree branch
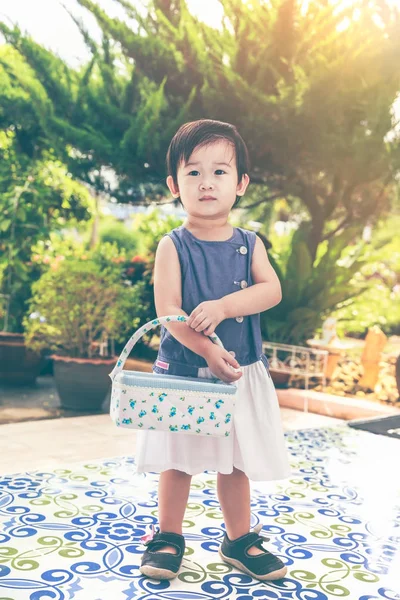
{"points": [[329, 235]]}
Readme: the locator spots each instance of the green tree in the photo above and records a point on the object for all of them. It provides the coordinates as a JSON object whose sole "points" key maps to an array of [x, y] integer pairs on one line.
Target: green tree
{"points": [[310, 92], [36, 192]]}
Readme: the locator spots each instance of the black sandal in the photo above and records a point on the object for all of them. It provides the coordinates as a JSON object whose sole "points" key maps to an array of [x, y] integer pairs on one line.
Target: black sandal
{"points": [[265, 567], [162, 565]]}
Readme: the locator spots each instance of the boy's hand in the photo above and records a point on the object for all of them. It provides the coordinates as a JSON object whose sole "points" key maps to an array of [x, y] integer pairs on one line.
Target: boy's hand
{"points": [[222, 364], [206, 316]]}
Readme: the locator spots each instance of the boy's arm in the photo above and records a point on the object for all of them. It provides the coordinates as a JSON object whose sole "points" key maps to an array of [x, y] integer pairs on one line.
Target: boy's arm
{"points": [[168, 299], [263, 294]]}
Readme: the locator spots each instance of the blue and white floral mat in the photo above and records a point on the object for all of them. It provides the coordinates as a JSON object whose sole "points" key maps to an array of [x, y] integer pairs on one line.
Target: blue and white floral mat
{"points": [[75, 533]]}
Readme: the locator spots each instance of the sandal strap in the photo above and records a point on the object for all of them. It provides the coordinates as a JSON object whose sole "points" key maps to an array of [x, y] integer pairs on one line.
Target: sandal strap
{"points": [[164, 538], [245, 542]]}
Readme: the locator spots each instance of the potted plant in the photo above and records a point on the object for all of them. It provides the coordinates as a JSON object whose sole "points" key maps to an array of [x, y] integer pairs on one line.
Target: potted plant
{"points": [[76, 308]]}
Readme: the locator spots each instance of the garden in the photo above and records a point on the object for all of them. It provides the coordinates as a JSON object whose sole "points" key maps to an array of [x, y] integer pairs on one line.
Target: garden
{"points": [[78, 143]]}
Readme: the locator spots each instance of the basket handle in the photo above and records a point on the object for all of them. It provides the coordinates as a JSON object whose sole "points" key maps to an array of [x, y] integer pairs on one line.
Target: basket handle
{"points": [[144, 329]]}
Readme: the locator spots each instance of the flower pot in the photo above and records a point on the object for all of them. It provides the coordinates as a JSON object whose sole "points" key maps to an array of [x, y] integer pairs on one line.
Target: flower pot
{"points": [[279, 379], [18, 364], [82, 384]]}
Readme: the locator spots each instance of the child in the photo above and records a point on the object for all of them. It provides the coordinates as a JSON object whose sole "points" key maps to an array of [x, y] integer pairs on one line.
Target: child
{"points": [[222, 278]]}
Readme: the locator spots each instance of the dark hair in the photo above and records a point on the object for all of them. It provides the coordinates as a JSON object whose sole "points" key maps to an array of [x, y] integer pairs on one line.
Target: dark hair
{"points": [[201, 133]]}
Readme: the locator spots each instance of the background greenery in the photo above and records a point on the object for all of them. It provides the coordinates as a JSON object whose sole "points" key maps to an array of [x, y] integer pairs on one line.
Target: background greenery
{"points": [[310, 89]]}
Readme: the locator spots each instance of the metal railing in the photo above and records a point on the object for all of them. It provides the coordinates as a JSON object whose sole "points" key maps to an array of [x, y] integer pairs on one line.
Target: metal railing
{"points": [[298, 362]]}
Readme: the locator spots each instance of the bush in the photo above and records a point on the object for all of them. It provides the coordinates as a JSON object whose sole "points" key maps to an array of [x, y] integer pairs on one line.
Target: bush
{"points": [[76, 306], [115, 232]]}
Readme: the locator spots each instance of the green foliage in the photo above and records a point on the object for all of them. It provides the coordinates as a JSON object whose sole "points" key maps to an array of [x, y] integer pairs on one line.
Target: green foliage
{"points": [[311, 291], [114, 232], [36, 195], [74, 307], [151, 227], [354, 281], [380, 303], [310, 92], [133, 271]]}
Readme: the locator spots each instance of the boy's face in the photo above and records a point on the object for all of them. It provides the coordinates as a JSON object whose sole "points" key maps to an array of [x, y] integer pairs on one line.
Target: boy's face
{"points": [[208, 182]]}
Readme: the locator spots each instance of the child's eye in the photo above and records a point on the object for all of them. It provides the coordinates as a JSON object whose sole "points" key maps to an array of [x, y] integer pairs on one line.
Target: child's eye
{"points": [[193, 172], [219, 171]]}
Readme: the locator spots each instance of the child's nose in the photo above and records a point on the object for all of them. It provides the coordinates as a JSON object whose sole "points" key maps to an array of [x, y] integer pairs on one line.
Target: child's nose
{"points": [[206, 185]]}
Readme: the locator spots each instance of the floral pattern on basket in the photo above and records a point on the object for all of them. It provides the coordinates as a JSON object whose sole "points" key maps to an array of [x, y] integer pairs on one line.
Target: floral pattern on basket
{"points": [[180, 407], [171, 410]]}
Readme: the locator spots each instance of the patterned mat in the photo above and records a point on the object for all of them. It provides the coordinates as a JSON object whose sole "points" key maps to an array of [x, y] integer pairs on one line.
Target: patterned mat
{"points": [[75, 533]]}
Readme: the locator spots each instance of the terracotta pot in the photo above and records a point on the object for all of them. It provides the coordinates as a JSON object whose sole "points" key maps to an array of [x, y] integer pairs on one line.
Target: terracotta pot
{"points": [[82, 384], [18, 364], [279, 379]]}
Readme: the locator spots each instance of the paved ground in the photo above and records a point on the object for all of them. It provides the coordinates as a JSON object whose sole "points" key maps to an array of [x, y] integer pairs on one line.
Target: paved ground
{"points": [[31, 403], [53, 442]]}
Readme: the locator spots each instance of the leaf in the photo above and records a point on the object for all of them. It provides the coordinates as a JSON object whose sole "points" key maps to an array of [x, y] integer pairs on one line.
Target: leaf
{"points": [[5, 224]]}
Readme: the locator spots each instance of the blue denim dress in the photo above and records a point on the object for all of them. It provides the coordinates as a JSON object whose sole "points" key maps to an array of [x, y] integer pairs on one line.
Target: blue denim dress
{"points": [[211, 270]]}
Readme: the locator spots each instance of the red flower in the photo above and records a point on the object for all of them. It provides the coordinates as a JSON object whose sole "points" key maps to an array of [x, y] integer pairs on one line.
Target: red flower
{"points": [[137, 259]]}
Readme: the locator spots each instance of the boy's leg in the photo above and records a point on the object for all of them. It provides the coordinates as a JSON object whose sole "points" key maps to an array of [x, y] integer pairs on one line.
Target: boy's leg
{"points": [[234, 497], [173, 494], [240, 547], [163, 556]]}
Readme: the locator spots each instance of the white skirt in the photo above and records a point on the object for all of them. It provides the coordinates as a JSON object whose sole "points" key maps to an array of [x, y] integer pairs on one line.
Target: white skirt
{"points": [[255, 446]]}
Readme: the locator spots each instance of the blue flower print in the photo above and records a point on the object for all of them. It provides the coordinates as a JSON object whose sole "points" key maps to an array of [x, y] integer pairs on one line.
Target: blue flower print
{"points": [[162, 396], [117, 532], [154, 409], [142, 413], [140, 425], [190, 409], [132, 403], [172, 412], [186, 427], [126, 421], [160, 418], [228, 418], [219, 403], [212, 416], [173, 427], [200, 420], [198, 430]]}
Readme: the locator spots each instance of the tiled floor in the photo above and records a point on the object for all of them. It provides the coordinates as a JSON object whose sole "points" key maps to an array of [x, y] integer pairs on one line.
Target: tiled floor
{"points": [[70, 526]]}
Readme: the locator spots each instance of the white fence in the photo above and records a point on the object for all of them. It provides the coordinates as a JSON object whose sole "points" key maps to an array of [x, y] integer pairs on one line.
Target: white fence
{"points": [[298, 362]]}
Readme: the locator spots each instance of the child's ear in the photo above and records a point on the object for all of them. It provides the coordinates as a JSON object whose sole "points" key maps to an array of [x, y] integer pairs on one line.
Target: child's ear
{"points": [[173, 188], [242, 185]]}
